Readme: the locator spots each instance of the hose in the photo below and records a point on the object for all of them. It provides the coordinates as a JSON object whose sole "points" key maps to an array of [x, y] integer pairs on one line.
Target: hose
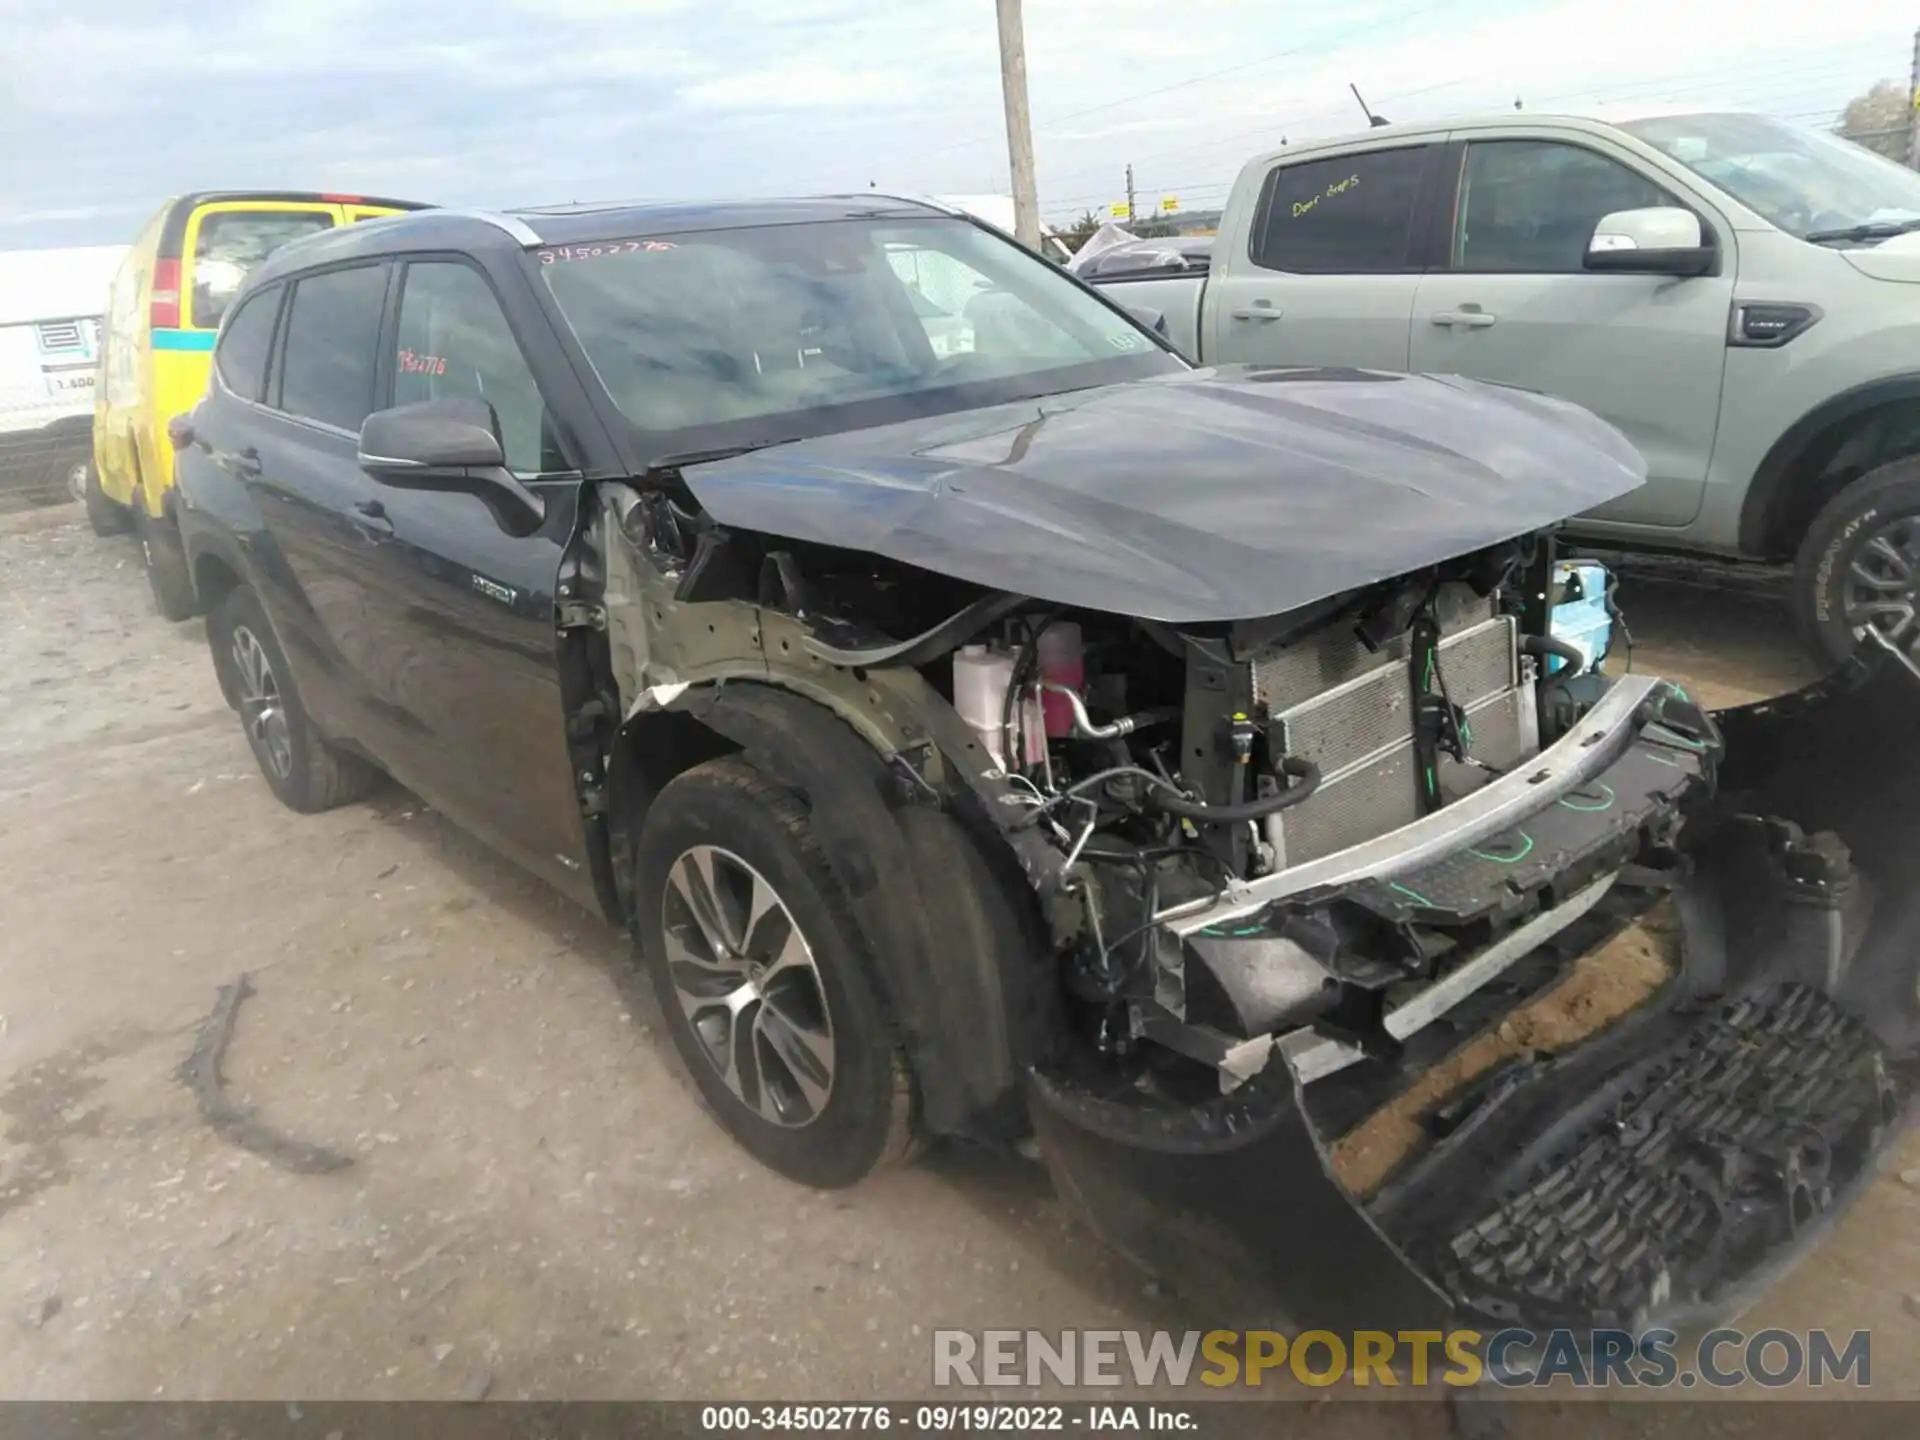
{"points": [[1541, 646], [1305, 773]]}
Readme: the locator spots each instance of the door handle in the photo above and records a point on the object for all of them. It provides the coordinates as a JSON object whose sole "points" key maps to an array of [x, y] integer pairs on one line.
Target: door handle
{"points": [[1255, 312], [245, 464], [1468, 319], [371, 516]]}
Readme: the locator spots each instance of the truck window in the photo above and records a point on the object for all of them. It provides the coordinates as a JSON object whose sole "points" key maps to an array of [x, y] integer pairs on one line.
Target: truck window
{"points": [[245, 343], [454, 340], [1351, 215], [333, 332], [1529, 206], [232, 242]]}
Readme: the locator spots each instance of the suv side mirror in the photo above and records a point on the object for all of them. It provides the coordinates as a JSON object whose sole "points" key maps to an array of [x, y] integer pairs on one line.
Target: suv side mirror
{"points": [[449, 444], [1660, 240]]}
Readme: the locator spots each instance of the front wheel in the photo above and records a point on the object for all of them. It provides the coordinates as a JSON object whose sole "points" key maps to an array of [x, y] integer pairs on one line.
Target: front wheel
{"points": [[1859, 566], [302, 770], [763, 981]]}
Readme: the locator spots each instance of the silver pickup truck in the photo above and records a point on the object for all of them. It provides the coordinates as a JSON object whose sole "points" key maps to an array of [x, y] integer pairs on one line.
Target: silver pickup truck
{"points": [[1739, 296]]}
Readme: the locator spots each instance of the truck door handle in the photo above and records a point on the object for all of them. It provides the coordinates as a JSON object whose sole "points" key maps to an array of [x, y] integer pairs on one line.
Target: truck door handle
{"points": [[1255, 312], [1471, 319], [371, 516], [246, 464]]}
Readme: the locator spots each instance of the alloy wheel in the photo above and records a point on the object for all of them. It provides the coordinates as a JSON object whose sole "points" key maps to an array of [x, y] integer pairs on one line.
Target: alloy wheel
{"points": [[748, 984], [262, 710], [1882, 586]]}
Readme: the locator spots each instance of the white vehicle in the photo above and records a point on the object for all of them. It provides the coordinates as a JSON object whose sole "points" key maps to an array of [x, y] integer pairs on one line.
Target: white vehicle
{"points": [[51, 303]]}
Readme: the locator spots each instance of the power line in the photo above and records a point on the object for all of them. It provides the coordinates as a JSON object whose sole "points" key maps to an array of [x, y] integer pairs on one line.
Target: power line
{"points": [[1631, 90], [1168, 89], [1679, 86]]}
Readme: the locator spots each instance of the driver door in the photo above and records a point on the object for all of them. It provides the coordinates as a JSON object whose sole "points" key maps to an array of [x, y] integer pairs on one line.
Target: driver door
{"points": [[471, 667]]}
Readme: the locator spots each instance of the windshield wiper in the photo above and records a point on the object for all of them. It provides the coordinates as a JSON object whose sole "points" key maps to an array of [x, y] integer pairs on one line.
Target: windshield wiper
{"points": [[1866, 230]]}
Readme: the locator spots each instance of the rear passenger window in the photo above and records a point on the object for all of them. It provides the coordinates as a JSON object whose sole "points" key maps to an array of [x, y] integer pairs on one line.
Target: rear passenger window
{"points": [[454, 341], [1352, 215], [245, 343], [333, 335]]}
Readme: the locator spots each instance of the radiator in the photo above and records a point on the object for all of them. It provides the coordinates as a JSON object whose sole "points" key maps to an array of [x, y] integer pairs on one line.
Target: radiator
{"points": [[1359, 728]]}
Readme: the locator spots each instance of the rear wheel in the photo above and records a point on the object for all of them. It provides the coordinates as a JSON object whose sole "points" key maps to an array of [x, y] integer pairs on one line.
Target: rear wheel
{"points": [[300, 767], [103, 515], [760, 972], [168, 575], [1859, 566]]}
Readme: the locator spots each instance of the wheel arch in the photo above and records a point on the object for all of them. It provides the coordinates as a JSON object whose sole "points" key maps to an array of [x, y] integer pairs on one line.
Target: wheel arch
{"points": [[216, 573], [959, 965], [1820, 453]]}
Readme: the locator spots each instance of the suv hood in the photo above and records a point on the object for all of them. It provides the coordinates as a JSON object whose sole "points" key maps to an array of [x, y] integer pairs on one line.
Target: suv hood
{"points": [[1218, 494]]}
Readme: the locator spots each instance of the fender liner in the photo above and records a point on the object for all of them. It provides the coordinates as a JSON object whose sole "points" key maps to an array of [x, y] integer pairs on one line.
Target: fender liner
{"points": [[1773, 483], [956, 960]]}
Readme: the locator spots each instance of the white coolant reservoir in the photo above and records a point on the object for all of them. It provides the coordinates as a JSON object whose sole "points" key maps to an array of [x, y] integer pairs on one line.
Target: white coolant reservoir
{"points": [[980, 679]]}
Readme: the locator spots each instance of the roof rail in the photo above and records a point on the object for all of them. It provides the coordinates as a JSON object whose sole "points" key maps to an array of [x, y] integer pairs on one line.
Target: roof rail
{"points": [[929, 201], [522, 233]]}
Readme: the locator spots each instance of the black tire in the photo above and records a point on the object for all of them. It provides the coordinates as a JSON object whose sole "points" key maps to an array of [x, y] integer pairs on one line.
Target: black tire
{"points": [[104, 516], [1882, 505], [168, 576], [868, 1114], [301, 769]]}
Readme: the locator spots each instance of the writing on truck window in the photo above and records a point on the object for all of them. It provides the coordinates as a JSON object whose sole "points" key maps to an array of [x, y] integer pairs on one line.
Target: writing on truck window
{"points": [[1333, 191], [414, 363]]}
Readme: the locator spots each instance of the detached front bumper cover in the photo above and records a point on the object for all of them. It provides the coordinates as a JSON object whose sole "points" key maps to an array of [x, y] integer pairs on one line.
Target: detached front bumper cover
{"points": [[1660, 1171]]}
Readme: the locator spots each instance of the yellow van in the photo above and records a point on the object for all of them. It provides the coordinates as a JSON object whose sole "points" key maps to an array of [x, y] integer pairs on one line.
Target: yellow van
{"points": [[162, 316]]}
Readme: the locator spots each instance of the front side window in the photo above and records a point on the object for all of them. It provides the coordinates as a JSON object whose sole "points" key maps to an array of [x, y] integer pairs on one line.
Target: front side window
{"points": [[246, 342], [1806, 182], [232, 242], [1530, 206], [333, 339], [1351, 215], [779, 331], [454, 340]]}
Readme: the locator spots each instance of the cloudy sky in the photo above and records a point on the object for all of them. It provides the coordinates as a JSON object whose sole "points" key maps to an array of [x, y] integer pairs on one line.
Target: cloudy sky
{"points": [[107, 106]]}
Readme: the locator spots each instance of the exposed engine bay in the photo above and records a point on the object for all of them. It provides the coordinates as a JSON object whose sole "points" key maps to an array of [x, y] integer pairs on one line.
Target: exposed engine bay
{"points": [[1284, 868]]}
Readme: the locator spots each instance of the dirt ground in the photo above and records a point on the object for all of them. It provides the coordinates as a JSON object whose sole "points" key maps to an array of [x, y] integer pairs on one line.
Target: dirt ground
{"points": [[537, 1206]]}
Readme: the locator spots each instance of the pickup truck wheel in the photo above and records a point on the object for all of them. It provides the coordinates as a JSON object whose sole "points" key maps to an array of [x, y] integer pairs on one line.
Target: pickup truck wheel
{"points": [[301, 769], [166, 560], [1860, 564], [104, 516], [762, 979]]}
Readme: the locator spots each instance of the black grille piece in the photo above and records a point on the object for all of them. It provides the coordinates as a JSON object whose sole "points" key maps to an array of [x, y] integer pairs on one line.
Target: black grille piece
{"points": [[1706, 1158]]}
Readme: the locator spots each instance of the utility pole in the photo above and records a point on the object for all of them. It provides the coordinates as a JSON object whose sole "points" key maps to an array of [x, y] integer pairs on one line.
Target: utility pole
{"points": [[1013, 89], [1130, 192], [1913, 108]]}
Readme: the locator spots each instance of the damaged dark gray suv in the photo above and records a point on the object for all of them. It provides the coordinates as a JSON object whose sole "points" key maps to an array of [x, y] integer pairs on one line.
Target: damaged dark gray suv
{"points": [[991, 726]]}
